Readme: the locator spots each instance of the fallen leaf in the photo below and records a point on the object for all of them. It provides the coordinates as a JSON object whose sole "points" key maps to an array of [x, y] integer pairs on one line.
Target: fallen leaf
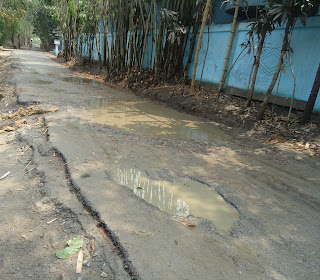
{"points": [[8, 129], [5, 175], [20, 122], [184, 223], [32, 110], [280, 139], [74, 246]]}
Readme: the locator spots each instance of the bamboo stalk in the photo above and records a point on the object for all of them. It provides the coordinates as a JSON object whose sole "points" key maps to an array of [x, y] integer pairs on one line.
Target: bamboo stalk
{"points": [[204, 20], [224, 70], [257, 64]]}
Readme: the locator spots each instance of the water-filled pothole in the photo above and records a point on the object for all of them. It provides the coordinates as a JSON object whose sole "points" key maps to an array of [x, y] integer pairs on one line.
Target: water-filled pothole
{"points": [[149, 119], [183, 198], [41, 82], [81, 81]]}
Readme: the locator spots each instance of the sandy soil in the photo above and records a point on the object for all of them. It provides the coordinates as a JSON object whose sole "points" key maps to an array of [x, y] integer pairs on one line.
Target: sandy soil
{"points": [[274, 188]]}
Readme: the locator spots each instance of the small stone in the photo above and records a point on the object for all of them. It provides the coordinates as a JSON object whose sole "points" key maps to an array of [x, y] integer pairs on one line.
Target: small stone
{"points": [[80, 278], [89, 264], [95, 254], [45, 200], [104, 275]]}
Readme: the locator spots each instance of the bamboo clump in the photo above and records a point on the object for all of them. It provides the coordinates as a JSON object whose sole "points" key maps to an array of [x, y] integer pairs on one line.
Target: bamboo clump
{"points": [[140, 36]]}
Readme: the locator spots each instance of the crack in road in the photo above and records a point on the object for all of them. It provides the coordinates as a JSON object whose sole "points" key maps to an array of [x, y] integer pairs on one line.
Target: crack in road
{"points": [[52, 151]]}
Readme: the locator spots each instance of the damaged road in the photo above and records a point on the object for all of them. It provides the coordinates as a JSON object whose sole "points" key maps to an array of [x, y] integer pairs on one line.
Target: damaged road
{"points": [[133, 166]]}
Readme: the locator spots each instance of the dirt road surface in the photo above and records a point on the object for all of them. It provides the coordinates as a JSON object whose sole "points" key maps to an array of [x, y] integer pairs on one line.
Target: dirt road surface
{"points": [[138, 169]]}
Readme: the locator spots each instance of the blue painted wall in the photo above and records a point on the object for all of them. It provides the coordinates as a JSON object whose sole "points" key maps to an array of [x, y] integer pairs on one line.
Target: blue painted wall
{"points": [[305, 59]]}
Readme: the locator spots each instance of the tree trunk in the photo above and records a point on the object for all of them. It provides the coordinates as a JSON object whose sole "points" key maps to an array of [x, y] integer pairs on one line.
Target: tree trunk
{"points": [[104, 49], [19, 41], [312, 98], [12, 41], [284, 49], [257, 64], [204, 20]]}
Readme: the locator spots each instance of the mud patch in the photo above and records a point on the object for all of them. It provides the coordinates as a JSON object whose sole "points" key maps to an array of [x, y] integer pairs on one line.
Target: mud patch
{"points": [[81, 81], [149, 119], [41, 82], [183, 198]]}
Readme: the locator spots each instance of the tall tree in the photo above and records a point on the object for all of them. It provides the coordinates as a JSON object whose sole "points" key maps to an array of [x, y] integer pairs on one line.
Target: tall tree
{"points": [[12, 13], [44, 24]]}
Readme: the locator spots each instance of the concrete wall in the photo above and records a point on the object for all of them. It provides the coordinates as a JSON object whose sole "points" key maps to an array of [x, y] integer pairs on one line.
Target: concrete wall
{"points": [[305, 59]]}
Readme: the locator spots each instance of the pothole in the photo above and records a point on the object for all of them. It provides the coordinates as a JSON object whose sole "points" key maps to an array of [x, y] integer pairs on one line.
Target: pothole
{"points": [[81, 81], [41, 82], [183, 198], [149, 119]]}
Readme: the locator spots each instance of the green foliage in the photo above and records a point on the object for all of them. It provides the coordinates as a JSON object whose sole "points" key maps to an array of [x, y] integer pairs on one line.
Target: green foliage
{"points": [[15, 20], [44, 23], [281, 10]]}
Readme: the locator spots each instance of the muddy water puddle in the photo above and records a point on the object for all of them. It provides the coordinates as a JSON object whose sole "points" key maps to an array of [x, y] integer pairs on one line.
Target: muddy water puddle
{"points": [[81, 81], [41, 82], [149, 119], [183, 198]]}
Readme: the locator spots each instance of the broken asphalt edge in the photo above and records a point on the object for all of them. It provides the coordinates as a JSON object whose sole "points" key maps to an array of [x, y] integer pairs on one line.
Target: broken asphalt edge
{"points": [[97, 217], [121, 251], [123, 254]]}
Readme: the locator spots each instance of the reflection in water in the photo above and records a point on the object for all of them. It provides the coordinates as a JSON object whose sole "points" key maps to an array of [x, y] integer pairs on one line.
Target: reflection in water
{"points": [[149, 119], [81, 81], [41, 82], [183, 198]]}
